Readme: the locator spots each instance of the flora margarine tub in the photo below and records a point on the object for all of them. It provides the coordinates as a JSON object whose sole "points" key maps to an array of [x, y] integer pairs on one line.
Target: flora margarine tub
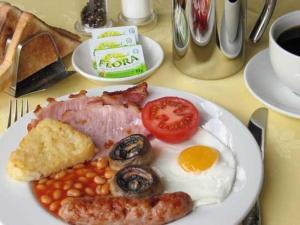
{"points": [[120, 62]]}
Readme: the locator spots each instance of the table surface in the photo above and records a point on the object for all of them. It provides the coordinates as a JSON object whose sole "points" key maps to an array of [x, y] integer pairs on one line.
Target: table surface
{"points": [[281, 192]]}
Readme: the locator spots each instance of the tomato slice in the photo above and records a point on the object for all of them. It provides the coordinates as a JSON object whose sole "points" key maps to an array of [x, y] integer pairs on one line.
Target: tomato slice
{"points": [[171, 119]]}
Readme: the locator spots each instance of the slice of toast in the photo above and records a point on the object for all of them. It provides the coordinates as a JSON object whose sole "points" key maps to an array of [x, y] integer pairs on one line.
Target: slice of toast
{"points": [[8, 22], [36, 55], [39, 53], [9, 17]]}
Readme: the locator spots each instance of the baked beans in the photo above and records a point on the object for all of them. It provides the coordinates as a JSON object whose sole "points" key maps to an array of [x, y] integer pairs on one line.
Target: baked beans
{"points": [[85, 179], [99, 180], [57, 194], [109, 174], [78, 185], [57, 184], [102, 163]]}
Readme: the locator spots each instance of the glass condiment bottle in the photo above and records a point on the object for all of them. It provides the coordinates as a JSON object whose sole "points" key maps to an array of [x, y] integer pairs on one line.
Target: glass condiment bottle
{"points": [[93, 14], [137, 12]]}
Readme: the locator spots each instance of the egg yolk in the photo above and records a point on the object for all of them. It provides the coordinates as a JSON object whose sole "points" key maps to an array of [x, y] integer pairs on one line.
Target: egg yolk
{"points": [[197, 158]]}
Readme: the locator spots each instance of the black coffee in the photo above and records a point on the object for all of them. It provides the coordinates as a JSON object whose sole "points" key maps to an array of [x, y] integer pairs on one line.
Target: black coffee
{"points": [[290, 40]]}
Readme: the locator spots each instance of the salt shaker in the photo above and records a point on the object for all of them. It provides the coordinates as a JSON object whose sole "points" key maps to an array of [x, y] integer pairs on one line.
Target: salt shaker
{"points": [[137, 12]]}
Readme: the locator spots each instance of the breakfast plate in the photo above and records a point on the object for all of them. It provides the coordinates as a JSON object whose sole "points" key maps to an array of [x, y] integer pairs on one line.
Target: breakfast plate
{"points": [[82, 62], [19, 206], [261, 81]]}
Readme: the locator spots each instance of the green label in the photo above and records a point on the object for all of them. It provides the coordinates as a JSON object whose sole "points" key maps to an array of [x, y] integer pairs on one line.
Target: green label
{"points": [[119, 61], [107, 45], [114, 31], [125, 73], [110, 34]]}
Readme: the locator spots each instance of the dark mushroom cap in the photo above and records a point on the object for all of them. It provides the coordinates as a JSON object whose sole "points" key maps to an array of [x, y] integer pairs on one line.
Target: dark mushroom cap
{"points": [[136, 181], [134, 149], [129, 147]]}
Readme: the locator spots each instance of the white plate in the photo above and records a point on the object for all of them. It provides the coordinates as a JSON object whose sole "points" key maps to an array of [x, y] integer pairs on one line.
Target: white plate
{"points": [[18, 205], [262, 82], [82, 62]]}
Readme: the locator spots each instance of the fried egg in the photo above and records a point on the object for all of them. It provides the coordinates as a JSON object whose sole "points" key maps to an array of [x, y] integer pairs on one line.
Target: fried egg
{"points": [[203, 167]]}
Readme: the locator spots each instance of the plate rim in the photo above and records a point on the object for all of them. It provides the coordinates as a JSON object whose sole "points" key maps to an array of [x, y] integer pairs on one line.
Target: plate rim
{"points": [[123, 79], [225, 112], [257, 96]]}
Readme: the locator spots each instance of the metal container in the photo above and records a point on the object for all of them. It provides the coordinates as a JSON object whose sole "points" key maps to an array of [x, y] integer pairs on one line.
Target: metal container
{"points": [[209, 36]]}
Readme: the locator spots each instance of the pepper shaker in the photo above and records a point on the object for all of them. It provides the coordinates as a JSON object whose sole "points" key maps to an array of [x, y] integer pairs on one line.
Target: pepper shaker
{"points": [[93, 14]]}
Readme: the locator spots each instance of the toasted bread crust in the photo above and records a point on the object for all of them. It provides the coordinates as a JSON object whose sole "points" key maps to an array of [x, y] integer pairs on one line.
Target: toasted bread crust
{"points": [[20, 26], [9, 17], [66, 33]]}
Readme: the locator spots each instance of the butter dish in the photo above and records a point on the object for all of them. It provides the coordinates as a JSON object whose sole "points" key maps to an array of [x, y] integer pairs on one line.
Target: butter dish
{"points": [[82, 62]]}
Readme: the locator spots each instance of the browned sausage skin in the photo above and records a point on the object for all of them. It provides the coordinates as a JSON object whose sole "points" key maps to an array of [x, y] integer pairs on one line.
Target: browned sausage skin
{"points": [[126, 211]]}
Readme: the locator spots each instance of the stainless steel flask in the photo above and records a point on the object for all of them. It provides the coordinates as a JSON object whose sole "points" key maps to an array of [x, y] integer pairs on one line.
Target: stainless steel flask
{"points": [[209, 36]]}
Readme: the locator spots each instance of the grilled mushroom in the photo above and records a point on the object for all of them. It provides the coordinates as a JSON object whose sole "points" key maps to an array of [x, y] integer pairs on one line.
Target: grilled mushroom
{"points": [[137, 182], [132, 150]]}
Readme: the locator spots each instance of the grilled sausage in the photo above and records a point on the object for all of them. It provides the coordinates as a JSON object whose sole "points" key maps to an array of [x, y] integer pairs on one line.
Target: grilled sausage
{"points": [[109, 210]]}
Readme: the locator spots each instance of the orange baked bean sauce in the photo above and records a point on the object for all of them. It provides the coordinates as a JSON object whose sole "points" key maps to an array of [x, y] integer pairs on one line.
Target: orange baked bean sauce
{"points": [[88, 179]]}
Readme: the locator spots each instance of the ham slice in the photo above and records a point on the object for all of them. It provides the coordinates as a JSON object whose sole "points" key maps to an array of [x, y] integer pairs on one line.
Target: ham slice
{"points": [[106, 119]]}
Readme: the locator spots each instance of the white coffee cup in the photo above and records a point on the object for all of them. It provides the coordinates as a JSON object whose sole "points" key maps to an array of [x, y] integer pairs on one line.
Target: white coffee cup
{"points": [[285, 64]]}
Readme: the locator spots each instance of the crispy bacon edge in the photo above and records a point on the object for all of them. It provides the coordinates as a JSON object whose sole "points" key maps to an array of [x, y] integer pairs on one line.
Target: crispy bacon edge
{"points": [[133, 95]]}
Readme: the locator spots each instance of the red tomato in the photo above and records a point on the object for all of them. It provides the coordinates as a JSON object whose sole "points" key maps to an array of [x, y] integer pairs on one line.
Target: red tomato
{"points": [[171, 119]]}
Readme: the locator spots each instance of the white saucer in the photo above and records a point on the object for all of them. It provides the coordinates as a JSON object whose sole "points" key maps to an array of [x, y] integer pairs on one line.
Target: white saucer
{"points": [[82, 62], [262, 82]]}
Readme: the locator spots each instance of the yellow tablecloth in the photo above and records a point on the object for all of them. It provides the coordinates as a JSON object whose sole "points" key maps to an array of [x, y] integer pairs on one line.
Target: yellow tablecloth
{"points": [[281, 190]]}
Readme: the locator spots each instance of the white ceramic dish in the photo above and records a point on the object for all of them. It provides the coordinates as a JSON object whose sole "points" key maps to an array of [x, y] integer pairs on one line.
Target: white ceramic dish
{"points": [[18, 205], [262, 82], [82, 62]]}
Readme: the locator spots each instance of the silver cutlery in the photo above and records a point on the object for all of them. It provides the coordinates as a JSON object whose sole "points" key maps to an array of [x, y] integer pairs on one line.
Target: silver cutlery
{"points": [[257, 127], [24, 106]]}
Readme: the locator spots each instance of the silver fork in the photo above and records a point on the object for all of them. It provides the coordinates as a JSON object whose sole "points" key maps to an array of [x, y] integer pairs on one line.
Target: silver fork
{"points": [[10, 120]]}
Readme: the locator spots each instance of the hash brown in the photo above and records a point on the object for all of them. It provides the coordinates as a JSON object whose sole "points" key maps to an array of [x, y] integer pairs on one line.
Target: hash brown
{"points": [[48, 148]]}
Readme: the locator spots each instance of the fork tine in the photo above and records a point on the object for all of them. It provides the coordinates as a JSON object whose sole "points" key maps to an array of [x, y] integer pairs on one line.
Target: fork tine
{"points": [[27, 106], [22, 110], [9, 122], [16, 111], [9, 114]]}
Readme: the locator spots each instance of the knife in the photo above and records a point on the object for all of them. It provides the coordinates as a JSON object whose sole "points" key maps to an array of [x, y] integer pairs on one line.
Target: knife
{"points": [[257, 127]]}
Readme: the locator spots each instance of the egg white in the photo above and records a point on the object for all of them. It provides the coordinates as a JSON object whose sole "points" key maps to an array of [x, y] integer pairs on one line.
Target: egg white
{"points": [[208, 187]]}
